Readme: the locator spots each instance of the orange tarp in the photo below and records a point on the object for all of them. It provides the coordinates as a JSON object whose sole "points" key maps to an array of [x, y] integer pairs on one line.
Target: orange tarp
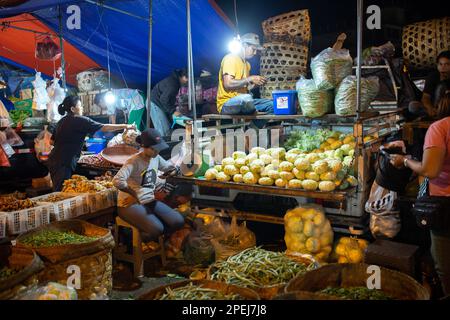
{"points": [[19, 46]]}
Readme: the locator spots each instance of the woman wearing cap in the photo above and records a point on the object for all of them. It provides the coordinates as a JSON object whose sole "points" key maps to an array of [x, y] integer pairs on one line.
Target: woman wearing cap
{"points": [[68, 139], [136, 182]]}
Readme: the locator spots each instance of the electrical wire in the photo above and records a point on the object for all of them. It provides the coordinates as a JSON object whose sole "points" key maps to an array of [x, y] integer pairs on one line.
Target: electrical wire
{"points": [[236, 16]]}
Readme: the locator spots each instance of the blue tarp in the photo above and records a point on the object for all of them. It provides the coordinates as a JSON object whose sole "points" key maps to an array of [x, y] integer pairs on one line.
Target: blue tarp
{"points": [[128, 36]]}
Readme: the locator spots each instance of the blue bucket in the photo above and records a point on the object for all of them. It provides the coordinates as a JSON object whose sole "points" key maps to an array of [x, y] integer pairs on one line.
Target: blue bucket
{"points": [[284, 102], [95, 145]]}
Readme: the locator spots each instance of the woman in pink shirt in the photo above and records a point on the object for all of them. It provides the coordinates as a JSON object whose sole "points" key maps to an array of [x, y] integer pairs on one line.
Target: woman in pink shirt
{"points": [[435, 166]]}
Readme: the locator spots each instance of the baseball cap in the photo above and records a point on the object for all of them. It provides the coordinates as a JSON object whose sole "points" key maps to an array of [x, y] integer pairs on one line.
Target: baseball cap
{"points": [[252, 39], [152, 138]]}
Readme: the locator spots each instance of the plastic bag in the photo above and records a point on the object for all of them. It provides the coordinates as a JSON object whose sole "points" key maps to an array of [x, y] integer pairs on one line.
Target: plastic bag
{"points": [[46, 49], [175, 243], [43, 145], [384, 219], [345, 100], [51, 291], [232, 240], [313, 102], [56, 95], [308, 231], [199, 249], [330, 67], [350, 250], [40, 98], [4, 161], [5, 119], [12, 138]]}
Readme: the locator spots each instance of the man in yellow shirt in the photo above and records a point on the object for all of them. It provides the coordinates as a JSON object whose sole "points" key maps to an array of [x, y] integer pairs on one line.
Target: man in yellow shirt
{"points": [[235, 81]]}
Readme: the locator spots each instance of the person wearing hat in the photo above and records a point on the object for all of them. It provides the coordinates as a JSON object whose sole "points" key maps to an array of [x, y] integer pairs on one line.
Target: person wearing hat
{"points": [[137, 180], [235, 81]]}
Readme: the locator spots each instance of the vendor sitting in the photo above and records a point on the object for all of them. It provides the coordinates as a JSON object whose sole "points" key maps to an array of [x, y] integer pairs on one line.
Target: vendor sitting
{"points": [[427, 106], [136, 182], [235, 81]]}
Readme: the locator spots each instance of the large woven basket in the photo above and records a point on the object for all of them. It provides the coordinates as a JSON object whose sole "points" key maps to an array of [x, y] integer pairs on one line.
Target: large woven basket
{"points": [[284, 56], [30, 265], [295, 25], [395, 284], [245, 293], [423, 41], [93, 258]]}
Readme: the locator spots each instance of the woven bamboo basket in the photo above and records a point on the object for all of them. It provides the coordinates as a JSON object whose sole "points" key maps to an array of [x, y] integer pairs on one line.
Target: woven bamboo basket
{"points": [[266, 90], [423, 41], [293, 24], [269, 292], [30, 265], [304, 295], [284, 56], [395, 284], [93, 258], [245, 293]]}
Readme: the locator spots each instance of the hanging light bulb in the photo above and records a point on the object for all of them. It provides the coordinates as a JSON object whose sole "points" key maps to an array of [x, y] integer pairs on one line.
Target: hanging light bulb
{"points": [[110, 98], [235, 45]]}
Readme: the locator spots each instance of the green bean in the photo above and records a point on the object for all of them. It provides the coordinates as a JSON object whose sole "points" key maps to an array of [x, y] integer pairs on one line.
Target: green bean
{"points": [[356, 293], [6, 273], [49, 238], [192, 292]]}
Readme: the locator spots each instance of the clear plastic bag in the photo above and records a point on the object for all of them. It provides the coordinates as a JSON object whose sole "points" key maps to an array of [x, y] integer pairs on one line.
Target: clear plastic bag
{"points": [[43, 145], [40, 98], [51, 291], [345, 100], [46, 49], [56, 95], [313, 101], [384, 218], [199, 249], [330, 67], [12, 138]]}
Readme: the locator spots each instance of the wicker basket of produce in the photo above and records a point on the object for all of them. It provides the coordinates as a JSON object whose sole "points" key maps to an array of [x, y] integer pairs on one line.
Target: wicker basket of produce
{"points": [[304, 295], [284, 56], [349, 281], [264, 271], [65, 243], [295, 25], [18, 270], [200, 290], [423, 41], [65, 205]]}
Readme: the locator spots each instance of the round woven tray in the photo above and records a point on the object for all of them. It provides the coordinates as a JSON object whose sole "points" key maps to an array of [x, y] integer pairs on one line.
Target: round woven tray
{"points": [[423, 41], [119, 154], [295, 24], [246, 293], [395, 284]]}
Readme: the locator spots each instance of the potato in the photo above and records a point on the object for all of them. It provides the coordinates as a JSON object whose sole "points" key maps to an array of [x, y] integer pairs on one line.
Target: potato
{"points": [[286, 175], [278, 153], [286, 166], [266, 159], [312, 245], [266, 181], [308, 228], [294, 225], [211, 174], [319, 220], [238, 178], [295, 184]]}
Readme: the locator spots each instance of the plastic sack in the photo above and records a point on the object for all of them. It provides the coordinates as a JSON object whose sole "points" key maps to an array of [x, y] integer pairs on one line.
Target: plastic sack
{"points": [[4, 161], [199, 249], [330, 67], [233, 239], [384, 219], [51, 291], [175, 243], [12, 138], [5, 119], [46, 49], [313, 102], [308, 231], [350, 250], [40, 98], [43, 145], [56, 95], [345, 100]]}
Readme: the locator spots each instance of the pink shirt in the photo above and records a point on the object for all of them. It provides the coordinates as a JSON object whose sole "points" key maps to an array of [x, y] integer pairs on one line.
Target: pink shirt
{"points": [[438, 135]]}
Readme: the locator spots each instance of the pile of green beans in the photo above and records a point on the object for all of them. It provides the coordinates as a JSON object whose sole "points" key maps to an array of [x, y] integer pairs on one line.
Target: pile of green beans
{"points": [[6, 273], [192, 292], [48, 238], [356, 293], [256, 267]]}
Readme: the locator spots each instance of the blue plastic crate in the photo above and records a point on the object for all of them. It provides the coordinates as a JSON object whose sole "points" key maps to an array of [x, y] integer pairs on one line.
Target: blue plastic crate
{"points": [[284, 102], [95, 145]]}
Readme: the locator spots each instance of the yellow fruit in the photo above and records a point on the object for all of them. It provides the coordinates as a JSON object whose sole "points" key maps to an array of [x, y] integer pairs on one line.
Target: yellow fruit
{"points": [[258, 150], [312, 245], [309, 184], [300, 175], [316, 232], [320, 166], [326, 239], [327, 186], [342, 259], [302, 164], [239, 155], [286, 166], [223, 177], [286, 175], [341, 250], [266, 159], [345, 240], [281, 183], [230, 170], [325, 144], [227, 161], [244, 169], [348, 139], [211, 174], [265, 181], [295, 150], [312, 176], [321, 256], [275, 163], [362, 244], [308, 228], [312, 157], [328, 176], [274, 174], [294, 225], [218, 167], [354, 256], [335, 145], [294, 184], [250, 178], [240, 162], [238, 178], [291, 157], [319, 219], [250, 158], [308, 214], [257, 166], [326, 249]]}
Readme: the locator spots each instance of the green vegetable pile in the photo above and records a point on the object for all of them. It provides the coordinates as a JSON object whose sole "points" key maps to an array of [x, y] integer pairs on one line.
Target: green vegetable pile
{"points": [[345, 100], [314, 102], [256, 267], [192, 292], [6, 273], [49, 238], [330, 67], [309, 140], [19, 116], [356, 293]]}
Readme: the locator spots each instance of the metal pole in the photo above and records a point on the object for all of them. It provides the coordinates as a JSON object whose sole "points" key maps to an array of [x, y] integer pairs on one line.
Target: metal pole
{"points": [[100, 4], [149, 68], [61, 44], [192, 104], [359, 49], [7, 25]]}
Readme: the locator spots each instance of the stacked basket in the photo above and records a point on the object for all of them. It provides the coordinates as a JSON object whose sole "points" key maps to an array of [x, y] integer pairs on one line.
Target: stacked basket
{"points": [[287, 37], [423, 41]]}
